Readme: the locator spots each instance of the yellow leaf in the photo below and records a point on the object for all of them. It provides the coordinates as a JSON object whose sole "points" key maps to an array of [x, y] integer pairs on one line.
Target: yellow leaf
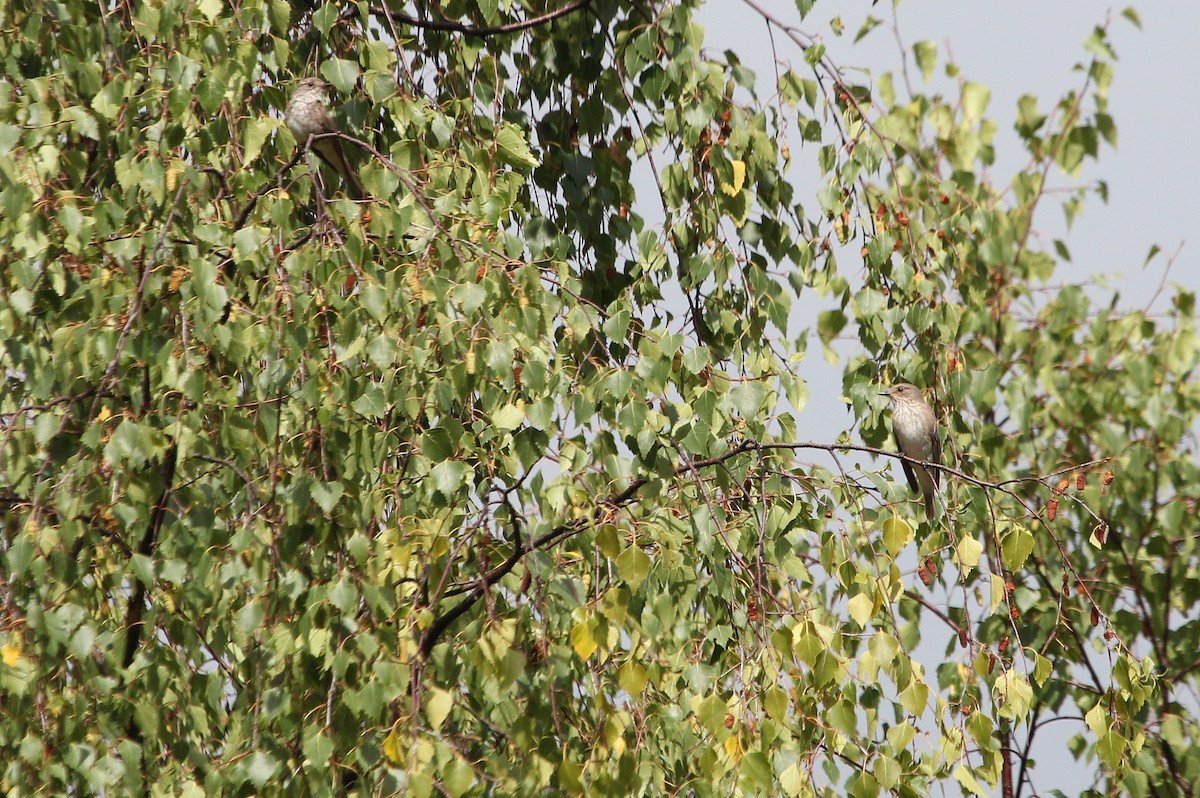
{"points": [[1097, 719], [739, 178], [967, 553], [861, 608], [437, 706], [997, 584], [733, 747], [583, 641], [632, 678], [914, 697], [793, 779], [968, 781], [10, 652], [897, 533], [391, 748], [618, 747]]}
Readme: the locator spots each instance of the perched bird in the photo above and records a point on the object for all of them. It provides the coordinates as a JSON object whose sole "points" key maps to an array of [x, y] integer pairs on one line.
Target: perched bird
{"points": [[917, 436], [308, 115]]}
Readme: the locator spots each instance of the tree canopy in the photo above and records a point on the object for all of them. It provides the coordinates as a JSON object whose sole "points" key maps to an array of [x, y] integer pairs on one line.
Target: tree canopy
{"points": [[500, 481]]}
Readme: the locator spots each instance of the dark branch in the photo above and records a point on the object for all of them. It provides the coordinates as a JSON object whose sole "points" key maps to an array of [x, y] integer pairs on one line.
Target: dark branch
{"points": [[469, 30], [136, 608], [137, 601], [443, 622]]}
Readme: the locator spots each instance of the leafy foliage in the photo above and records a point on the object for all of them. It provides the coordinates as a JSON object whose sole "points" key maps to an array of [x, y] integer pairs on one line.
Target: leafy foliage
{"points": [[494, 484]]}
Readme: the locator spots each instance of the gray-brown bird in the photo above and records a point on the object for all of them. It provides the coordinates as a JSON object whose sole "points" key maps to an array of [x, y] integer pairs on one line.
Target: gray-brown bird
{"points": [[916, 433], [308, 115]]}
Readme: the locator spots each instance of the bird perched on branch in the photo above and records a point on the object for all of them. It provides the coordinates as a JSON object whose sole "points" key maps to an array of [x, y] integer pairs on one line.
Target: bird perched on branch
{"points": [[307, 115], [916, 431]]}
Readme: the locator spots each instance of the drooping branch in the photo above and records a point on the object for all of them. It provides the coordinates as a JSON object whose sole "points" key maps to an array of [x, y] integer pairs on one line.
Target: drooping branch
{"points": [[476, 589]]}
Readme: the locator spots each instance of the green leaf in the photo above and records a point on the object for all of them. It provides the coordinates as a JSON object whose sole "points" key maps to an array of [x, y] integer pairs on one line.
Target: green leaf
{"points": [[261, 768], [793, 780], [250, 617], [884, 648], [869, 24], [998, 592], [254, 135], [1012, 695], [925, 54], [210, 9], [1097, 719], [695, 360], [436, 444], [756, 770], [1042, 667], [350, 352], [711, 713], [776, 702], [901, 735], [975, 98], [737, 178], [1111, 748], [82, 122], [470, 296], [512, 148], [327, 494], [370, 402], [211, 93], [318, 748], [449, 476], [458, 777], [748, 398], [341, 73], [19, 555], [382, 352], [508, 417], [634, 566], [375, 300], [887, 772], [1016, 546]]}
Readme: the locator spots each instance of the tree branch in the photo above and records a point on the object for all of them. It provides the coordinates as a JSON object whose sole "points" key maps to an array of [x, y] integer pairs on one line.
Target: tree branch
{"points": [[570, 528], [469, 30]]}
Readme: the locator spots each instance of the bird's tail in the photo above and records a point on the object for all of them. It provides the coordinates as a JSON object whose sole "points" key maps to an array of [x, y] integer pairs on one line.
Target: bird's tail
{"points": [[929, 493], [331, 152]]}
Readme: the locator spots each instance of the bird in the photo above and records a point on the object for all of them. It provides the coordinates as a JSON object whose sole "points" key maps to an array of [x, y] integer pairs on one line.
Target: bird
{"points": [[307, 115], [916, 431]]}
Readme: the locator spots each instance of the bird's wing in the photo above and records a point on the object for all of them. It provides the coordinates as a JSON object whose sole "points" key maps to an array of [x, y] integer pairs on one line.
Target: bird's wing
{"points": [[908, 471]]}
